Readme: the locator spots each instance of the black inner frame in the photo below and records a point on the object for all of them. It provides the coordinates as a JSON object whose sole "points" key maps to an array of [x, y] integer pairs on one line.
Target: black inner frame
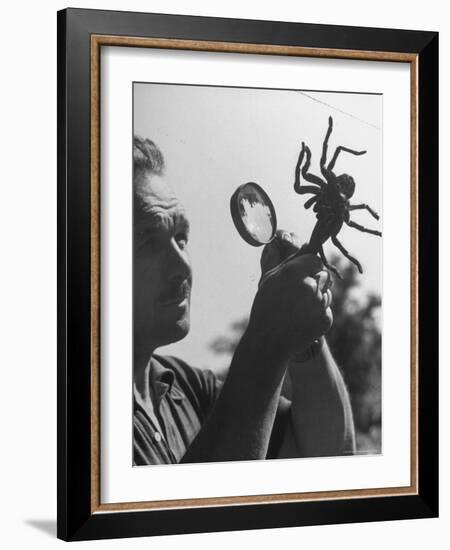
{"points": [[75, 521]]}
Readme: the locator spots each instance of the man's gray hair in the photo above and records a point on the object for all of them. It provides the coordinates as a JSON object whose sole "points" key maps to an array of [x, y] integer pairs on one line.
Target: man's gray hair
{"points": [[147, 157]]}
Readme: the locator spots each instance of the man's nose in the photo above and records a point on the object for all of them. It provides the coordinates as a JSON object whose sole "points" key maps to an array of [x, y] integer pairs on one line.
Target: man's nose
{"points": [[177, 262]]}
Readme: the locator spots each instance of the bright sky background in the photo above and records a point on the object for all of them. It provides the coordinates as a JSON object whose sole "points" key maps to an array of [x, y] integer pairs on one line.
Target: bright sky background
{"points": [[216, 138]]}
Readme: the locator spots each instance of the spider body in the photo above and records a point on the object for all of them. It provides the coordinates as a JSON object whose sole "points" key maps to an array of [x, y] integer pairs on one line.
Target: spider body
{"points": [[331, 199], [331, 208]]}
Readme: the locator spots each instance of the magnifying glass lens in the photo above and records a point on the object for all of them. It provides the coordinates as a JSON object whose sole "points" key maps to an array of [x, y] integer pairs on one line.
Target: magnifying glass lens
{"points": [[253, 214]]}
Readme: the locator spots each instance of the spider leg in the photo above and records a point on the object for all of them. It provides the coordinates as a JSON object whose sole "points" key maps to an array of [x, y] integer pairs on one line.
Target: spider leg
{"points": [[310, 202], [344, 251], [304, 172], [301, 156], [307, 175], [323, 159], [326, 264], [362, 228], [364, 207], [303, 189], [337, 152]]}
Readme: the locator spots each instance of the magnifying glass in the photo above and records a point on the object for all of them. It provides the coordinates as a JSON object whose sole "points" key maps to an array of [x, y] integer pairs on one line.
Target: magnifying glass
{"points": [[253, 214]]}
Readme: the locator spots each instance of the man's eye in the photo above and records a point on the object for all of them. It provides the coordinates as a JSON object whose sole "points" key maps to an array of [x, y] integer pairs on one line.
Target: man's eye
{"points": [[182, 240]]}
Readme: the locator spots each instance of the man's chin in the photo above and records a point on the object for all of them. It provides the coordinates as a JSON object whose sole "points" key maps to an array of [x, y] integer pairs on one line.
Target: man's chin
{"points": [[180, 330], [175, 330]]}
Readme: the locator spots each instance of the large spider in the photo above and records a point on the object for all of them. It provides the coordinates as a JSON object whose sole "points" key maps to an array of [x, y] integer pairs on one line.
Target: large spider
{"points": [[330, 200]]}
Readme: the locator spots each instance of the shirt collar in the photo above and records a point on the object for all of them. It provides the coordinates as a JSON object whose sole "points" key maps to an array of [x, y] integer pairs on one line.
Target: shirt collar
{"points": [[162, 380]]}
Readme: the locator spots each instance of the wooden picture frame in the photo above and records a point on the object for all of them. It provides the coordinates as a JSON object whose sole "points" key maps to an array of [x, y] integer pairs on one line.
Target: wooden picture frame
{"points": [[81, 35]]}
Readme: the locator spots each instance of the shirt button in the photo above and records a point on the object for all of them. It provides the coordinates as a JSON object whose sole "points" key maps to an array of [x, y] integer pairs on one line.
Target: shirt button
{"points": [[157, 437]]}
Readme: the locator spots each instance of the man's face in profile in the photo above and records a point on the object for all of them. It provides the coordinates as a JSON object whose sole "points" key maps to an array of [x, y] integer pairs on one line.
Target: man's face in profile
{"points": [[162, 273]]}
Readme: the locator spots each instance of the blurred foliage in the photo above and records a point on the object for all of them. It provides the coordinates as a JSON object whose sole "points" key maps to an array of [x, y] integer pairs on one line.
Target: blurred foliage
{"points": [[355, 341]]}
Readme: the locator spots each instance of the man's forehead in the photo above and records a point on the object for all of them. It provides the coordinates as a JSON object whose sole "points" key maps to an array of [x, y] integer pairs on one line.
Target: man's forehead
{"points": [[159, 201], [154, 188]]}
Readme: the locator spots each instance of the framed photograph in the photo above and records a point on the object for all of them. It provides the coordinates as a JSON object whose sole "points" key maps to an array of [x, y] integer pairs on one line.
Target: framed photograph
{"points": [[247, 274]]}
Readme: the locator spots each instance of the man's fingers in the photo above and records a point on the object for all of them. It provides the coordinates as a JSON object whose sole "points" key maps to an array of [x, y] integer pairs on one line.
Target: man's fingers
{"points": [[270, 257], [323, 280], [327, 299], [283, 246], [313, 263], [288, 242], [309, 264]]}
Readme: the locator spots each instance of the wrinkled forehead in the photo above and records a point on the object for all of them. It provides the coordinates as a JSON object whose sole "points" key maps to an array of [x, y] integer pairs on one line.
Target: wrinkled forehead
{"points": [[156, 197], [153, 188]]}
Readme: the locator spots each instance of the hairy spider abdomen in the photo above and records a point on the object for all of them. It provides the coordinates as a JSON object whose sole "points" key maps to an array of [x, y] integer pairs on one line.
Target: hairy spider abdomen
{"points": [[346, 184]]}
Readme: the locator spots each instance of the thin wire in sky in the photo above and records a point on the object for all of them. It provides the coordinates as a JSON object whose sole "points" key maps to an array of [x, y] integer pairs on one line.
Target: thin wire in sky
{"points": [[340, 110]]}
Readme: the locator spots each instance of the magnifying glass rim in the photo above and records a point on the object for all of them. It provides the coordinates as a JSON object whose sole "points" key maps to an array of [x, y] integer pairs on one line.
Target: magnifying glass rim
{"points": [[237, 219]]}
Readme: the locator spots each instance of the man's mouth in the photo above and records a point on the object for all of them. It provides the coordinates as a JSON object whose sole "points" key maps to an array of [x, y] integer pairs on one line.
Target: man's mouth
{"points": [[176, 295]]}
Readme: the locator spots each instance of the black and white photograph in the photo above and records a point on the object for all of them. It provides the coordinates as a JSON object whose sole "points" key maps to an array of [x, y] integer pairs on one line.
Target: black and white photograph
{"points": [[221, 294], [257, 273]]}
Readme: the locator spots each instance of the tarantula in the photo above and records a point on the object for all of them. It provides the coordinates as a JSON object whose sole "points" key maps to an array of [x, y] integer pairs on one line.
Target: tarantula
{"points": [[330, 200]]}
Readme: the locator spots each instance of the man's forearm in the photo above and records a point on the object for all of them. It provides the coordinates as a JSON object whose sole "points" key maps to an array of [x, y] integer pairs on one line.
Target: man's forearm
{"points": [[321, 414], [240, 424]]}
